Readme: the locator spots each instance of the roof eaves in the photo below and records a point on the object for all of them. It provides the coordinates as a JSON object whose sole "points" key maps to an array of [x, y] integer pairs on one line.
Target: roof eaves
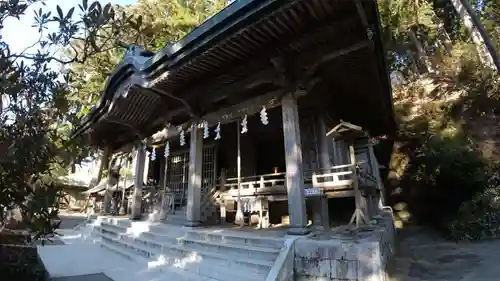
{"points": [[220, 23]]}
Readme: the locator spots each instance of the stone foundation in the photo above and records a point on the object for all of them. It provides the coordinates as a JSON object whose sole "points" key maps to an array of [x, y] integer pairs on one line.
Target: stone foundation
{"points": [[346, 254], [19, 258]]}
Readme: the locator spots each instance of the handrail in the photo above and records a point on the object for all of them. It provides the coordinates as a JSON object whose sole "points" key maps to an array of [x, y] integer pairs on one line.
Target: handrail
{"points": [[257, 176], [256, 184], [334, 167], [337, 167], [332, 177]]}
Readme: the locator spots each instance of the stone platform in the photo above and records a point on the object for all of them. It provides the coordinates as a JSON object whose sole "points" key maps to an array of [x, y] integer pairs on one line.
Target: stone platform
{"points": [[347, 254], [127, 250]]}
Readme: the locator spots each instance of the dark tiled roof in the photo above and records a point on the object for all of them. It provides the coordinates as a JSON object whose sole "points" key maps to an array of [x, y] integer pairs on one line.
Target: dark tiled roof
{"points": [[139, 98]]}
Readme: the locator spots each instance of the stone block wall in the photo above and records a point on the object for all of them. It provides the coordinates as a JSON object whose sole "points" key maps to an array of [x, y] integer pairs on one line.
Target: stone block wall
{"points": [[18, 262], [346, 254]]}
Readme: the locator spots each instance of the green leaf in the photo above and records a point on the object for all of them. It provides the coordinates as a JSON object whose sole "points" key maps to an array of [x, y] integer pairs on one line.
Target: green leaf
{"points": [[107, 9], [94, 5], [139, 21], [60, 12], [70, 13], [85, 4]]}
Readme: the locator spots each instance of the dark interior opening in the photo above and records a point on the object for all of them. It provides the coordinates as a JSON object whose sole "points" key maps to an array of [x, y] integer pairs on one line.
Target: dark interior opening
{"points": [[269, 145], [262, 147]]}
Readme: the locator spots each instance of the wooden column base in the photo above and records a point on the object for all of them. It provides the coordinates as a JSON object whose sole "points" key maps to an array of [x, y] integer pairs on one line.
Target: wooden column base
{"points": [[192, 224], [298, 231]]}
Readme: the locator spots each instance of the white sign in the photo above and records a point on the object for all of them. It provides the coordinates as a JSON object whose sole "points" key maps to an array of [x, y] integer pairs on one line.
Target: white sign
{"points": [[312, 191]]}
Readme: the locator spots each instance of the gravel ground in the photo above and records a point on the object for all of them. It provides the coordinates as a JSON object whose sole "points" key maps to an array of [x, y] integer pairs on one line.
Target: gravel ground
{"points": [[425, 256]]}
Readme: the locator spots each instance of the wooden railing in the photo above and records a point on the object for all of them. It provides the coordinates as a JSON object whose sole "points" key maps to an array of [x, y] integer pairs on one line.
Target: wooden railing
{"points": [[168, 203], [255, 185], [336, 178]]}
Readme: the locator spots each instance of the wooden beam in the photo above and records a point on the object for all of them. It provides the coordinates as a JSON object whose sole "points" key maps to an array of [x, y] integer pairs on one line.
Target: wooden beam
{"points": [[225, 116], [218, 90], [270, 100], [327, 54], [361, 13]]}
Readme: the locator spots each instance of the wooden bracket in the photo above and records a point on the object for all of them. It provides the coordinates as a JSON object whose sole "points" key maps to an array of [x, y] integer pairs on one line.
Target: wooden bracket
{"points": [[364, 19], [188, 106]]}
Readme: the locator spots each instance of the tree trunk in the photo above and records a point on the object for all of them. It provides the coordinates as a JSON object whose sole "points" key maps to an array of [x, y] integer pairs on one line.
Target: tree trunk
{"points": [[422, 56], [486, 50], [414, 67], [443, 36]]}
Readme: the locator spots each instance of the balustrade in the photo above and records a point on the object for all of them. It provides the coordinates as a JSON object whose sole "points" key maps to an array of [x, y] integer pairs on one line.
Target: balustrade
{"points": [[336, 178]]}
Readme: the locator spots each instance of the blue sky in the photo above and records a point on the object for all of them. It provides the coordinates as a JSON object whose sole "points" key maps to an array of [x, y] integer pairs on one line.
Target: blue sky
{"points": [[19, 34]]}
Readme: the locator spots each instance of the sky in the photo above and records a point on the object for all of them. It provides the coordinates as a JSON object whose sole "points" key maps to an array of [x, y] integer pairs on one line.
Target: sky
{"points": [[19, 34]]}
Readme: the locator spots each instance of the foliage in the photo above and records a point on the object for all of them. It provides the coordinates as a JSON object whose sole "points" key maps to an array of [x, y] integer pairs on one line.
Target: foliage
{"points": [[39, 105], [444, 97], [478, 218], [34, 114], [442, 168], [446, 172], [158, 23]]}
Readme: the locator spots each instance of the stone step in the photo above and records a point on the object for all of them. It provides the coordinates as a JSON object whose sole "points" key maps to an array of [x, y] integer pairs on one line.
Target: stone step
{"points": [[191, 240], [177, 214], [161, 231], [221, 236], [177, 219], [204, 263], [223, 247], [166, 273], [228, 237]]}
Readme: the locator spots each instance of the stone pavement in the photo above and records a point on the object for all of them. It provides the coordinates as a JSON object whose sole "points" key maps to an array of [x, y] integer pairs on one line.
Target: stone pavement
{"points": [[68, 221], [425, 256], [71, 220], [87, 277]]}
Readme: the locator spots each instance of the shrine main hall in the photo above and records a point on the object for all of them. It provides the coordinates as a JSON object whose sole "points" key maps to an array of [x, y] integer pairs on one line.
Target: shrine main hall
{"points": [[265, 114]]}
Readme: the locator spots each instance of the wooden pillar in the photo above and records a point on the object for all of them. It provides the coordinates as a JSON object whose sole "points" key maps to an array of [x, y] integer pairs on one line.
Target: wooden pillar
{"points": [[324, 143], [123, 207], [294, 170], [239, 211], [320, 203], [163, 172], [358, 216], [106, 202], [193, 212], [138, 181], [147, 159], [104, 164], [380, 201], [111, 181], [222, 188], [167, 202]]}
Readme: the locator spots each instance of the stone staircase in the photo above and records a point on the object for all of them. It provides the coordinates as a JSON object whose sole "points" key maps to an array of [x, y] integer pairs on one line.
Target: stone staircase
{"points": [[192, 254], [178, 218]]}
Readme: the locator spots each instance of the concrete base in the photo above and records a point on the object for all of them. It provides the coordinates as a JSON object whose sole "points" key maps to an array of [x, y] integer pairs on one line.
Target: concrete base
{"points": [[136, 218], [346, 253]]}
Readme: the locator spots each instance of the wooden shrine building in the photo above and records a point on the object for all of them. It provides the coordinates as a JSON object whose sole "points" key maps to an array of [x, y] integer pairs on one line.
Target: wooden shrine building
{"points": [[249, 106]]}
